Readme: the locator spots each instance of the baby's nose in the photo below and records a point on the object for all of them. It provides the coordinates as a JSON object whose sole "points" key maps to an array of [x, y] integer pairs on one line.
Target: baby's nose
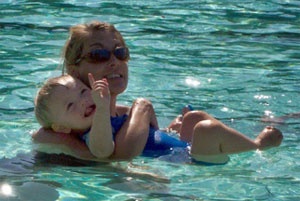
{"points": [[84, 102]]}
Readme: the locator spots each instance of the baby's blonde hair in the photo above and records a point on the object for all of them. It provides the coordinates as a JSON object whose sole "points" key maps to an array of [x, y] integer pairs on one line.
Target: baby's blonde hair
{"points": [[78, 36], [42, 110]]}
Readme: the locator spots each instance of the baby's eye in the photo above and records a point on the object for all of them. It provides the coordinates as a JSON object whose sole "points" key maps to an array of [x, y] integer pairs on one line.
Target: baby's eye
{"points": [[69, 106], [83, 90]]}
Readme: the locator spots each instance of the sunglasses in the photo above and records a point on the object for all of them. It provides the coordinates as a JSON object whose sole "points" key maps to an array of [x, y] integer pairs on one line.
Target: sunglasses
{"points": [[102, 55]]}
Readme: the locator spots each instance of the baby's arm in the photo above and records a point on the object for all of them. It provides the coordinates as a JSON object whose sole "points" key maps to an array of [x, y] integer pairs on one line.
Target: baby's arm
{"points": [[50, 142], [100, 137], [132, 137]]}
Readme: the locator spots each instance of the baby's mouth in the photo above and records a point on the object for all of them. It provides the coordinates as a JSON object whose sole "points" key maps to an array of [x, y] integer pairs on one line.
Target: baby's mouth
{"points": [[90, 110]]}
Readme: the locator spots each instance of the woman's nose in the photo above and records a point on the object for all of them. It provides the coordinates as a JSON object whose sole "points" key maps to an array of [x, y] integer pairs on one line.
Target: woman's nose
{"points": [[112, 61]]}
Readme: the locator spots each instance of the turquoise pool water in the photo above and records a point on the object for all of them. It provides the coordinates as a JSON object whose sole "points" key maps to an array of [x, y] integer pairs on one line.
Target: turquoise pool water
{"points": [[237, 60]]}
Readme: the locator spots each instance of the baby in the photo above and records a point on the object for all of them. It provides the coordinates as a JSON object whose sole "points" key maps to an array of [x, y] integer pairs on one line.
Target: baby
{"points": [[66, 105]]}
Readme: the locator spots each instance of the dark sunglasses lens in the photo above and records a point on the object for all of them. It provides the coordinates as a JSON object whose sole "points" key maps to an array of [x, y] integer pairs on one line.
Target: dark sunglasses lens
{"points": [[99, 55], [122, 53]]}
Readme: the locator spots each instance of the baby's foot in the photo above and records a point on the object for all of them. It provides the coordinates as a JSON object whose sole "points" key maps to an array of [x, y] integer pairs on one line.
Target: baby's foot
{"points": [[175, 125], [269, 137], [186, 109]]}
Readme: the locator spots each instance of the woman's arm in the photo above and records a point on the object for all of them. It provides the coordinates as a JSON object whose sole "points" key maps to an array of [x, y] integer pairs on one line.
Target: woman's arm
{"points": [[51, 142], [281, 119], [132, 137]]}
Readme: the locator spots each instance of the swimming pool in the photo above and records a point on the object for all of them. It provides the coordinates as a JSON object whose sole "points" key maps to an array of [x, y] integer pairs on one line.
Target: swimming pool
{"points": [[237, 60]]}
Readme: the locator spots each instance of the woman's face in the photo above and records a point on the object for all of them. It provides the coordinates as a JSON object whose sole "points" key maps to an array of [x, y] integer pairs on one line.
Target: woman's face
{"points": [[114, 69]]}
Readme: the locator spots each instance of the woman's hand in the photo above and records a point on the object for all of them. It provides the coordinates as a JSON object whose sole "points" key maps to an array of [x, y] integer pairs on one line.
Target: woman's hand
{"points": [[131, 139], [143, 106]]}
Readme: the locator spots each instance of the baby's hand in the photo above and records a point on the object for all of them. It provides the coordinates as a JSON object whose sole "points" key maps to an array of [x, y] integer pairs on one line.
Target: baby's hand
{"points": [[100, 91]]}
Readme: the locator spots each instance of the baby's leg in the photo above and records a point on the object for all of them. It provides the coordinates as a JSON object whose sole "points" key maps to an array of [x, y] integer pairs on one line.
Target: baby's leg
{"points": [[269, 137], [213, 139], [189, 120]]}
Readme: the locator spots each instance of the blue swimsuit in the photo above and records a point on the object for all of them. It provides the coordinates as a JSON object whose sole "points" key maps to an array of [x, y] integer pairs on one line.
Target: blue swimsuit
{"points": [[158, 143]]}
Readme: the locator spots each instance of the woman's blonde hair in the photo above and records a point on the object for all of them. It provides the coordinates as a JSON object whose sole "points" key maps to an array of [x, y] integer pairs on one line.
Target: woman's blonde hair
{"points": [[78, 36]]}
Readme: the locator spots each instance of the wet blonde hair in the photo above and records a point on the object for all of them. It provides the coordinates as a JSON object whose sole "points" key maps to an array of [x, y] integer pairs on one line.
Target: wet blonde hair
{"points": [[79, 34], [42, 110]]}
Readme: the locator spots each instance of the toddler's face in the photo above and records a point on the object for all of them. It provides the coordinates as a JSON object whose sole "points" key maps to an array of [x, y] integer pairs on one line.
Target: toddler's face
{"points": [[72, 105]]}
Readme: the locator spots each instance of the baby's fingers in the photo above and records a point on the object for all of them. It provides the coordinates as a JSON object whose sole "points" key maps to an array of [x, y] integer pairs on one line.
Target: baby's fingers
{"points": [[101, 87], [91, 79]]}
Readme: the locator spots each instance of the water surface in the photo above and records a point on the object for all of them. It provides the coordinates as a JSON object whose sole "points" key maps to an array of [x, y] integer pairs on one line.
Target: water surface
{"points": [[237, 60]]}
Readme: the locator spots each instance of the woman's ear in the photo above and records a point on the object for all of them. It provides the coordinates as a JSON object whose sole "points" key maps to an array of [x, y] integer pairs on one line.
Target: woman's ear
{"points": [[74, 72], [60, 129]]}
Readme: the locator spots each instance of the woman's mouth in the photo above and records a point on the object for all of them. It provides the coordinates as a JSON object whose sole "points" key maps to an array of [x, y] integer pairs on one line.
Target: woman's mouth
{"points": [[90, 110], [113, 76]]}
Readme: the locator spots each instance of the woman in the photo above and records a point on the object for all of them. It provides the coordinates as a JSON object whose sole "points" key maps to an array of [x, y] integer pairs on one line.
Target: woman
{"points": [[111, 65]]}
